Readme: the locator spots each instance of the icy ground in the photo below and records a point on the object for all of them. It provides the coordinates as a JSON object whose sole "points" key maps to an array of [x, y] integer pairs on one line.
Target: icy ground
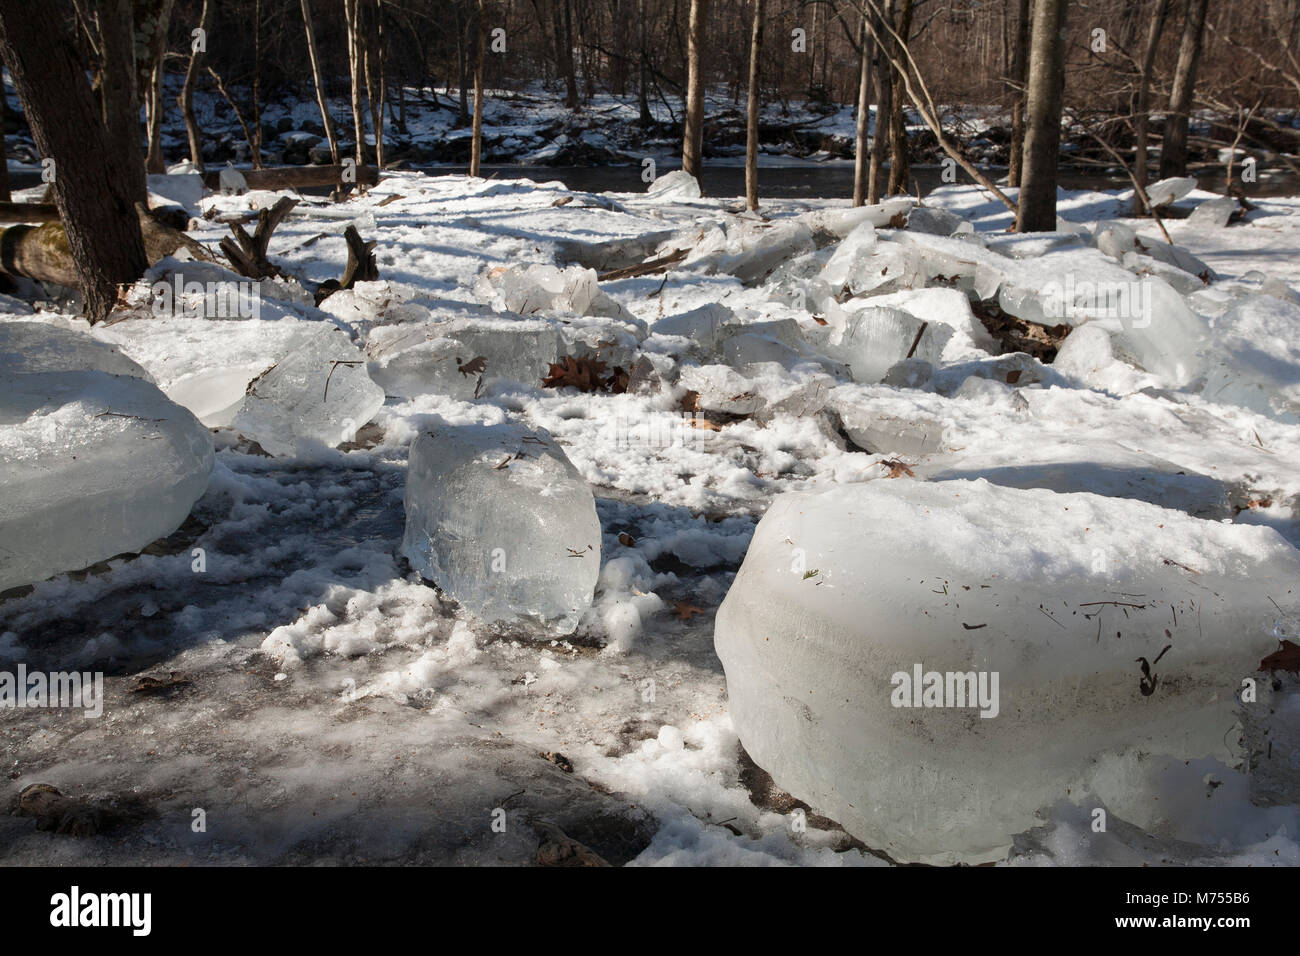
{"points": [[329, 707]]}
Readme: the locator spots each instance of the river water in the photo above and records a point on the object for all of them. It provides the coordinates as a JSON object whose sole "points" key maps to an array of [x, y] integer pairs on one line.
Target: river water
{"points": [[830, 180]]}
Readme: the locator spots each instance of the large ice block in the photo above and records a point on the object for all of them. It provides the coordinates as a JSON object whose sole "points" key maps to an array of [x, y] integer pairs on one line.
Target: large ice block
{"points": [[501, 521], [319, 393], [1062, 630], [93, 463]]}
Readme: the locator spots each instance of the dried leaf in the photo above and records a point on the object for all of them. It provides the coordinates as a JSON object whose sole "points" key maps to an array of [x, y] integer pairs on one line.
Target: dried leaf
{"points": [[685, 611], [475, 366], [897, 469], [1286, 658], [586, 375], [704, 423]]}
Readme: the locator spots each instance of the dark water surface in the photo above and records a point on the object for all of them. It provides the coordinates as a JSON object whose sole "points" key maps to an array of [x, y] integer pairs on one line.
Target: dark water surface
{"points": [[828, 181]]}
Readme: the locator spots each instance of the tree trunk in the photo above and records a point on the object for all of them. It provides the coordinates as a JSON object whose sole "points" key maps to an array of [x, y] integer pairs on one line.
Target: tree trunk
{"points": [[1019, 69], [256, 142], [1173, 152], [884, 100], [476, 147], [352, 16], [693, 131], [861, 147], [331, 134], [898, 158], [1143, 106], [1037, 212], [120, 110], [157, 51], [643, 80], [186, 99], [93, 185], [4, 160], [462, 68], [372, 58], [751, 118], [562, 21]]}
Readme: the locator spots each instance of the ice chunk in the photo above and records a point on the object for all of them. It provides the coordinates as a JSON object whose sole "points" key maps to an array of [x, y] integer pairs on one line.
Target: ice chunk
{"points": [[460, 357], [1042, 600], [872, 339], [1087, 356], [287, 384], [528, 290], [702, 326], [1170, 190], [500, 520], [1119, 241], [762, 389], [850, 257], [934, 220], [92, 463], [1162, 336], [885, 432], [676, 186], [204, 365], [27, 348], [759, 254], [832, 224], [947, 306], [318, 393], [1213, 212], [1014, 368], [609, 254]]}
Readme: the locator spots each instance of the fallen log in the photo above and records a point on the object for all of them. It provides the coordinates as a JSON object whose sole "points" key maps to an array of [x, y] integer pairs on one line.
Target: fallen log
{"points": [[42, 253], [28, 212], [294, 177]]}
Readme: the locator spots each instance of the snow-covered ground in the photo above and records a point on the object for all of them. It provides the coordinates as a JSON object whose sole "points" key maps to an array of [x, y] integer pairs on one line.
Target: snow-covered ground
{"points": [[337, 709]]}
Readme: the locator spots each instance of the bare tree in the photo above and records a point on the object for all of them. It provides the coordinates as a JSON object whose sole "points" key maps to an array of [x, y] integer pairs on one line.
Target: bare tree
{"points": [[1143, 106], [373, 60], [476, 148], [157, 47], [751, 118], [331, 134], [92, 184], [898, 158], [693, 132], [1037, 203], [1173, 151], [1019, 67], [876, 26], [864, 114], [186, 98], [352, 19]]}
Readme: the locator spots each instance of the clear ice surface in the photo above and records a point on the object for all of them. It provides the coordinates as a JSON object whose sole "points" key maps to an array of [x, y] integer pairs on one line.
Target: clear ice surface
{"points": [[501, 521], [1057, 595]]}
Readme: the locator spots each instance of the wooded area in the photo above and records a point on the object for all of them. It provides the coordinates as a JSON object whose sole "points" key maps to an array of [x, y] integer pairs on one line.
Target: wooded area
{"points": [[93, 77]]}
